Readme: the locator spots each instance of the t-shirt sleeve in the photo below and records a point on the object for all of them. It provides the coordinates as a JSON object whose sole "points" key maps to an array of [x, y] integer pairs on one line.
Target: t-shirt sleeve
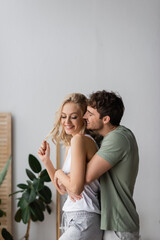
{"points": [[113, 149]]}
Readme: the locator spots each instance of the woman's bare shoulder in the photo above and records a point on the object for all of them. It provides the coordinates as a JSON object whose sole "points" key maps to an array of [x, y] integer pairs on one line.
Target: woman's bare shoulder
{"points": [[86, 140], [78, 138]]}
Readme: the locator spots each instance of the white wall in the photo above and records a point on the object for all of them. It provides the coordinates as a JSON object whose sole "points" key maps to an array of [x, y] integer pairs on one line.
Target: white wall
{"points": [[51, 48]]}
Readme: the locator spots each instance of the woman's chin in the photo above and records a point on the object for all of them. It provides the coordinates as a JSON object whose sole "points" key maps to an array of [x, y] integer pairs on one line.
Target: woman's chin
{"points": [[69, 132]]}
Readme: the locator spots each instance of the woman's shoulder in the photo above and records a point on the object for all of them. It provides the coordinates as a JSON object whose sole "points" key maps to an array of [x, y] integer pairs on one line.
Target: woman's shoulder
{"points": [[78, 137], [78, 142], [85, 143], [84, 138], [81, 138]]}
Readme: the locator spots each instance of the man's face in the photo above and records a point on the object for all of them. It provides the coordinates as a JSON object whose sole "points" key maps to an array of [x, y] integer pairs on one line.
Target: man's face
{"points": [[93, 119]]}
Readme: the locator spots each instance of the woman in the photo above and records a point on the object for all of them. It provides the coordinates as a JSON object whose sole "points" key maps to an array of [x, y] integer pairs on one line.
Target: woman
{"points": [[81, 217]]}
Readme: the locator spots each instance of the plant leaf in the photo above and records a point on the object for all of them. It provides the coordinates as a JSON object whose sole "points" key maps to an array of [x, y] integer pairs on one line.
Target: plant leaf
{"points": [[46, 194], [15, 192], [32, 196], [4, 171], [23, 203], [37, 211], [6, 235], [2, 213], [41, 204], [33, 217], [44, 176], [22, 186], [18, 215], [26, 214], [30, 174], [29, 195], [34, 164], [29, 183], [26, 195], [49, 210], [37, 184]]}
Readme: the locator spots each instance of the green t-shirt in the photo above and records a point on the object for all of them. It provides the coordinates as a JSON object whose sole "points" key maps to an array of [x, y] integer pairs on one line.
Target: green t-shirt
{"points": [[118, 211]]}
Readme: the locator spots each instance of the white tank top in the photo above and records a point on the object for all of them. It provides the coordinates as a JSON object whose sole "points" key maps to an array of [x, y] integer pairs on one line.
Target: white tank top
{"points": [[89, 201]]}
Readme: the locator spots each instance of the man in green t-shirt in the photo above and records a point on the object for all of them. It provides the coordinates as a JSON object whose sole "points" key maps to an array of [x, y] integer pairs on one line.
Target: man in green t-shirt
{"points": [[116, 164]]}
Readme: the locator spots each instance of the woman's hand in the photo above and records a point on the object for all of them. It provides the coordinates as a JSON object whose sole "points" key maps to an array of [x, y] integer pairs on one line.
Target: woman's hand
{"points": [[44, 152]]}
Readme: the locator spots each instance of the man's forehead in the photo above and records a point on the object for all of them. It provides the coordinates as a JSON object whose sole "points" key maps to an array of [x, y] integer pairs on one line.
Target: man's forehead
{"points": [[91, 109]]}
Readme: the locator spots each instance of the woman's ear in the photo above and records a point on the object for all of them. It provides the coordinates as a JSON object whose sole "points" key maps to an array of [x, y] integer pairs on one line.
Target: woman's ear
{"points": [[106, 119]]}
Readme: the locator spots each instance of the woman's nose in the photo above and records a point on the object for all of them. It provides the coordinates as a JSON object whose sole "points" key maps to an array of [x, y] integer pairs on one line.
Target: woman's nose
{"points": [[68, 120]]}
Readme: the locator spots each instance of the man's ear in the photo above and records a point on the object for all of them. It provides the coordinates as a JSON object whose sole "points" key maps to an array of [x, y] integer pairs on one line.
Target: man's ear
{"points": [[106, 119]]}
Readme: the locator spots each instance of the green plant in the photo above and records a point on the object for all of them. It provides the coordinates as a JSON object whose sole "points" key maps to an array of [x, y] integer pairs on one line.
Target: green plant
{"points": [[35, 195], [2, 176], [3, 173], [2, 213]]}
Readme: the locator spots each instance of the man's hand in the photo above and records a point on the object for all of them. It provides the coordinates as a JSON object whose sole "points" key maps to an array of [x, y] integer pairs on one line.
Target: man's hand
{"points": [[59, 186], [73, 196]]}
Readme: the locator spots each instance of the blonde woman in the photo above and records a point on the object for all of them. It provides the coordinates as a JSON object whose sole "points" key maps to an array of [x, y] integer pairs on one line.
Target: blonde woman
{"points": [[81, 217]]}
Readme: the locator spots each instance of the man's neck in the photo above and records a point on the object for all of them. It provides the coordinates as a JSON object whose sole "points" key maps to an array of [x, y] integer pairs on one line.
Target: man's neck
{"points": [[107, 129]]}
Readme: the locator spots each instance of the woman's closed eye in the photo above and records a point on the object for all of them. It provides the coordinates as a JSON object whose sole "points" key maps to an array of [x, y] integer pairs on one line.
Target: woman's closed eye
{"points": [[73, 117]]}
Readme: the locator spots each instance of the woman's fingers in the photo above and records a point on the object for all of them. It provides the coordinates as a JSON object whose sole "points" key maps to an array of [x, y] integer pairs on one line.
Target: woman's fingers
{"points": [[42, 150], [43, 145], [39, 151], [47, 146]]}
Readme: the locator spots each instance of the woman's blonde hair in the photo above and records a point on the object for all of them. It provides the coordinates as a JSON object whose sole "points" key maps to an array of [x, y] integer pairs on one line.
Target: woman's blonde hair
{"points": [[58, 133]]}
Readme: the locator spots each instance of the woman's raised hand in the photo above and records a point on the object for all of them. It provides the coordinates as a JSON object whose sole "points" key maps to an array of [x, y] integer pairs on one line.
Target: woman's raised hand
{"points": [[44, 152]]}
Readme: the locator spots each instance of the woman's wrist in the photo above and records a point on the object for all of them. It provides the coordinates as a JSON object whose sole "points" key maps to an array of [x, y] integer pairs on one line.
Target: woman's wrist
{"points": [[48, 163]]}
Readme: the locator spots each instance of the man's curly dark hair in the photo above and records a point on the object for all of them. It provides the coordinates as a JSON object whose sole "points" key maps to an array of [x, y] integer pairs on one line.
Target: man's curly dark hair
{"points": [[107, 104]]}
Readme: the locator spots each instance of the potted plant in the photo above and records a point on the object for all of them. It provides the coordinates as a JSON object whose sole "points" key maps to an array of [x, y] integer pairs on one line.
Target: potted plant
{"points": [[35, 195]]}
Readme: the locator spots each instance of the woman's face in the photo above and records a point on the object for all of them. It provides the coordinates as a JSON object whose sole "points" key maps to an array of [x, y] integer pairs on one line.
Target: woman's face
{"points": [[72, 118]]}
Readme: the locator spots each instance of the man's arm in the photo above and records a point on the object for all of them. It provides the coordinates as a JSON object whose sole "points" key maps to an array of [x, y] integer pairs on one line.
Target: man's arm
{"points": [[96, 167]]}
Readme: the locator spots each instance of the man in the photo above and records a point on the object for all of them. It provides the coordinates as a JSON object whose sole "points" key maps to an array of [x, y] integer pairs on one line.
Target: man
{"points": [[116, 164]]}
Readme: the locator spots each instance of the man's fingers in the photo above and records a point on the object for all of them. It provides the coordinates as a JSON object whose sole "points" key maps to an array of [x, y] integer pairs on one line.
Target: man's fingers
{"points": [[72, 199], [77, 197]]}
